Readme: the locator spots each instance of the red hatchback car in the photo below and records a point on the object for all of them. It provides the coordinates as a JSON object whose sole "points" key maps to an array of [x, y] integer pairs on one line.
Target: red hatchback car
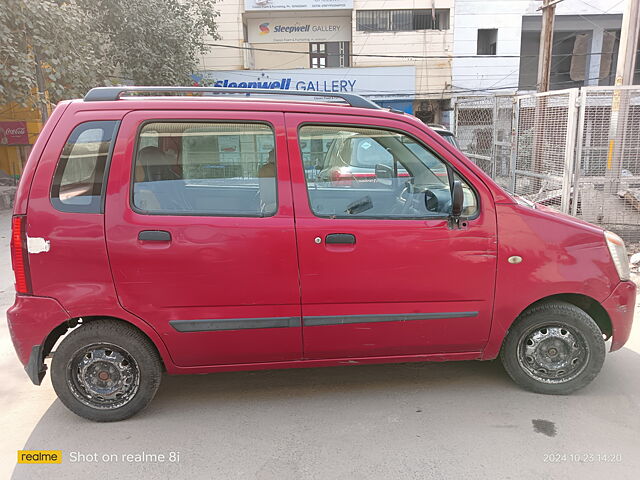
{"points": [[193, 234]]}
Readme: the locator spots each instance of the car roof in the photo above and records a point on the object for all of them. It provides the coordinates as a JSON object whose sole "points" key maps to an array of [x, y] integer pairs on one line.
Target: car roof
{"points": [[101, 94], [217, 98], [250, 105], [243, 103]]}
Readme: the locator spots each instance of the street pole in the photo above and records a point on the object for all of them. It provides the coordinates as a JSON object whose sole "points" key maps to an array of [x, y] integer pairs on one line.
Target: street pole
{"points": [[546, 44], [544, 74], [625, 68]]}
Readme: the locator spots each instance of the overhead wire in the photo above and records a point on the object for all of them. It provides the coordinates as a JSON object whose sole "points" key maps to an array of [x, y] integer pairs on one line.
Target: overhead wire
{"points": [[417, 57]]}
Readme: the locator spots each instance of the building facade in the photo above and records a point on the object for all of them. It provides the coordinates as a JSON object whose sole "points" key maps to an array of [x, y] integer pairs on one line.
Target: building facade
{"points": [[496, 45], [397, 53]]}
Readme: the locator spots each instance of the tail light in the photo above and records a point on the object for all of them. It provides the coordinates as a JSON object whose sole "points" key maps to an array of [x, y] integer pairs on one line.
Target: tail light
{"points": [[19, 255]]}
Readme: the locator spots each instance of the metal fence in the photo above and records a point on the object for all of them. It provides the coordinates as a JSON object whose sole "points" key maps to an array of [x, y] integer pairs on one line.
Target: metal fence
{"points": [[576, 150], [483, 127]]}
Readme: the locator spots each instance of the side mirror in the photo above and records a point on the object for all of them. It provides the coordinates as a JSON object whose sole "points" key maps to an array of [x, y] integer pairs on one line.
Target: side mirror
{"points": [[457, 199], [431, 201], [384, 174]]}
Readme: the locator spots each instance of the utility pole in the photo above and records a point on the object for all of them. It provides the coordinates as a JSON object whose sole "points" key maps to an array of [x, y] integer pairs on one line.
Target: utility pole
{"points": [[544, 73], [628, 43], [625, 69], [546, 44]]}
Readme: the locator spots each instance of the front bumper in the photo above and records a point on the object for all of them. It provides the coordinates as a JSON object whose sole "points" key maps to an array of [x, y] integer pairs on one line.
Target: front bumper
{"points": [[620, 305], [30, 320]]}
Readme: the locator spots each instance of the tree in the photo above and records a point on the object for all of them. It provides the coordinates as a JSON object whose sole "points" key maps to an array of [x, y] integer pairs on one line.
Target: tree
{"points": [[62, 48], [154, 42], [47, 48]]}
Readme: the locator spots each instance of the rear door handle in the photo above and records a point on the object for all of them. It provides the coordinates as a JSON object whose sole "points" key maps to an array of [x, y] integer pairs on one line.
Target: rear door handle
{"points": [[154, 236], [344, 238]]}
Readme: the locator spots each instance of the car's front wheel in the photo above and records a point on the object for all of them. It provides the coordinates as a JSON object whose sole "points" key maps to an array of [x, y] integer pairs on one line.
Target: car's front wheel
{"points": [[106, 371], [553, 348]]}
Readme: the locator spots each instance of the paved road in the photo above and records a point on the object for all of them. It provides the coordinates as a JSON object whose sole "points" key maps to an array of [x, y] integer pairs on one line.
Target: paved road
{"points": [[454, 420]]}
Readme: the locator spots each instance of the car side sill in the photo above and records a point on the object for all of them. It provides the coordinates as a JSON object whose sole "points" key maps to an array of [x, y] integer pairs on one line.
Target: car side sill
{"points": [[325, 362]]}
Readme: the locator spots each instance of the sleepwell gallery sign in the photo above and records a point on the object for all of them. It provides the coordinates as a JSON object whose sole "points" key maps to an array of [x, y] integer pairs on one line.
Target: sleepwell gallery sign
{"points": [[374, 82], [320, 29], [253, 5]]}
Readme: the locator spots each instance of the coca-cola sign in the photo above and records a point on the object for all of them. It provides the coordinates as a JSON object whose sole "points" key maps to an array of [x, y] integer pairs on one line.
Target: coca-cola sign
{"points": [[14, 133]]}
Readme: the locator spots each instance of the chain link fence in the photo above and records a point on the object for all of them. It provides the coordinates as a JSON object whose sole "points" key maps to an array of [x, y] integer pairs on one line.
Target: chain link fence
{"points": [[483, 127], [607, 175], [576, 150]]}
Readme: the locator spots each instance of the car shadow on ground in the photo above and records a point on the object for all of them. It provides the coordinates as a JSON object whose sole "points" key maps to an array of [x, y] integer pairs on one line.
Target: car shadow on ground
{"points": [[280, 406]]}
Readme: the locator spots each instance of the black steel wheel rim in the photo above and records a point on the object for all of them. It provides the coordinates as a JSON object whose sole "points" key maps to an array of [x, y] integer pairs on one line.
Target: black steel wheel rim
{"points": [[103, 376], [553, 353]]}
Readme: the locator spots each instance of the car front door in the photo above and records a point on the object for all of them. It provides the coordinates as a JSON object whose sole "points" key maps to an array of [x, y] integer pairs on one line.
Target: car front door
{"points": [[200, 234], [384, 272]]}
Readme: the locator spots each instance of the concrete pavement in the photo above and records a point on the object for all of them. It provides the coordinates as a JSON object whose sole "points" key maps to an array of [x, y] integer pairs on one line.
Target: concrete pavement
{"points": [[453, 420]]}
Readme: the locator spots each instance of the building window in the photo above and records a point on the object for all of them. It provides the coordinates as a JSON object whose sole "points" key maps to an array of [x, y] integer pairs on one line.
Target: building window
{"points": [[487, 41], [610, 47], [329, 55], [402, 20]]}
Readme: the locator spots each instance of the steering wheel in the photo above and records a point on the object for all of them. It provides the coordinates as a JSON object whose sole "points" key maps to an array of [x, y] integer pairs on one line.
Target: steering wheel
{"points": [[407, 197]]}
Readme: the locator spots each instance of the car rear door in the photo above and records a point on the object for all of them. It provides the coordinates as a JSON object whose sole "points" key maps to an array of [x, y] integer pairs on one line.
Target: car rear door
{"points": [[380, 276], [200, 237]]}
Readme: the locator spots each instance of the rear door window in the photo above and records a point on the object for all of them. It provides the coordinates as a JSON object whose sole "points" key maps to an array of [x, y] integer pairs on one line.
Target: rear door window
{"points": [[78, 182], [205, 168]]}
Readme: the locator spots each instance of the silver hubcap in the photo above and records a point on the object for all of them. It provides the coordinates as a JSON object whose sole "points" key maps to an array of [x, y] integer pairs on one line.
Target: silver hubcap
{"points": [[553, 354], [103, 376]]}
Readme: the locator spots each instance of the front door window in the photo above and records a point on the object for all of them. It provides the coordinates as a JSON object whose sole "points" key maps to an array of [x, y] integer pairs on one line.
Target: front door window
{"points": [[372, 173]]}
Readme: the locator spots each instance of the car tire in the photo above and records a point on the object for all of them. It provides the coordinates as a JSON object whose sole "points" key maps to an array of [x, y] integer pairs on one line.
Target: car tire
{"points": [[106, 371], [553, 348]]}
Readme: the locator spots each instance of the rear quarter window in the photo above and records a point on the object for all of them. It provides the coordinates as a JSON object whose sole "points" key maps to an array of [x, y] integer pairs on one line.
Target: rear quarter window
{"points": [[79, 180]]}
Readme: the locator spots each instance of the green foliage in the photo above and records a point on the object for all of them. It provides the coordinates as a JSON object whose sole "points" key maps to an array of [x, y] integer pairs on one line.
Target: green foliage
{"points": [[71, 55], [154, 42], [81, 44]]}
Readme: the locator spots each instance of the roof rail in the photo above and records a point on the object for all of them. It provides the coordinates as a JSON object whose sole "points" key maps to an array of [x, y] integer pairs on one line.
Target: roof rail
{"points": [[104, 94]]}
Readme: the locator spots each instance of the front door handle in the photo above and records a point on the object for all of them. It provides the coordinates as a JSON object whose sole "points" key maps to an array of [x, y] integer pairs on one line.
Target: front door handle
{"points": [[341, 238], [154, 236]]}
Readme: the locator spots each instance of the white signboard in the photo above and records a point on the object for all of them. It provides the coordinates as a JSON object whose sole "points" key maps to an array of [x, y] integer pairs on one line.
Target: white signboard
{"points": [[250, 5], [321, 29], [380, 83]]}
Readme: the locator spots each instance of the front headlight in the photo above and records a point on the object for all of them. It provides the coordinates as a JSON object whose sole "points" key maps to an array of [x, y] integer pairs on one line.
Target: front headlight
{"points": [[618, 254]]}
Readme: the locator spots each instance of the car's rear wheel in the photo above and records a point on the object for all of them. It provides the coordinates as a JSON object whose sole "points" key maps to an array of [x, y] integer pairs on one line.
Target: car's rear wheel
{"points": [[553, 348], [106, 371]]}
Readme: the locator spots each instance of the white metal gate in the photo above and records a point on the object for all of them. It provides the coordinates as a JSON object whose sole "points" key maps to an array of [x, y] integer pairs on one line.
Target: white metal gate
{"points": [[576, 150], [483, 127]]}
